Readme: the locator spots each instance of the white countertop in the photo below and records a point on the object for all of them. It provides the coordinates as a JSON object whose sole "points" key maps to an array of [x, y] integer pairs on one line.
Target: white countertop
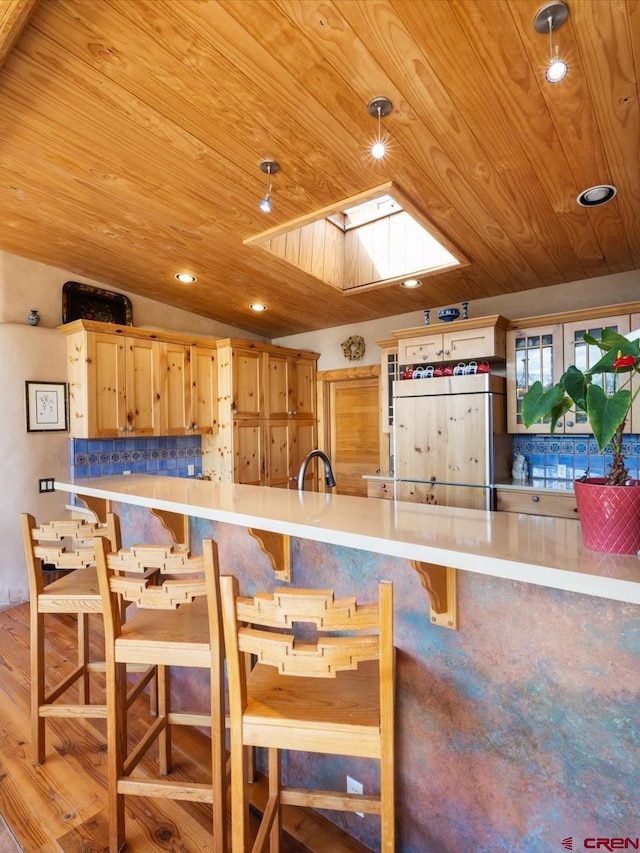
{"points": [[529, 548]]}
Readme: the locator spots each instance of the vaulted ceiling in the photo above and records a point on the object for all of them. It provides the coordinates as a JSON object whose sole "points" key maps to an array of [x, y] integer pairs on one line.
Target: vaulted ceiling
{"points": [[131, 133]]}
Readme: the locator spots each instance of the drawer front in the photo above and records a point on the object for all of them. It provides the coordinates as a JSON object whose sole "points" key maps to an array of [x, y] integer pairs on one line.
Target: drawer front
{"points": [[377, 489], [537, 503]]}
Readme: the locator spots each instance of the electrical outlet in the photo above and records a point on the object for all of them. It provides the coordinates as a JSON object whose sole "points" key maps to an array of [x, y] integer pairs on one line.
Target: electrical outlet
{"points": [[191, 470], [125, 473], [355, 787], [562, 472], [46, 484]]}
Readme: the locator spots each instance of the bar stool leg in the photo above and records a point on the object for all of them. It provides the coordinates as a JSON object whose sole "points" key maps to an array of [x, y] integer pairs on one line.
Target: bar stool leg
{"points": [[37, 685], [83, 658], [116, 751], [164, 738]]}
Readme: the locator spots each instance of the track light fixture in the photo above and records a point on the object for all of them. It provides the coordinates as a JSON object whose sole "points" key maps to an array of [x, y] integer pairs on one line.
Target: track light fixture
{"points": [[378, 108], [269, 167], [549, 18]]}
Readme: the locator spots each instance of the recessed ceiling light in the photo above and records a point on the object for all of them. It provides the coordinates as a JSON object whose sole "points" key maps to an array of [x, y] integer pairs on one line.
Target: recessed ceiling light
{"points": [[185, 277], [258, 306], [411, 283], [594, 196]]}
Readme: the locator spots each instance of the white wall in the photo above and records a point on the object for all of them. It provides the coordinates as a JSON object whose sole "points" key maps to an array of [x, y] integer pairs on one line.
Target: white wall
{"points": [[587, 293], [39, 353]]}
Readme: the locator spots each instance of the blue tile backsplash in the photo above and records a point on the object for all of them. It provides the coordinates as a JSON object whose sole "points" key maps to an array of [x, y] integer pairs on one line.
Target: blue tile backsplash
{"points": [[170, 455], [580, 455]]}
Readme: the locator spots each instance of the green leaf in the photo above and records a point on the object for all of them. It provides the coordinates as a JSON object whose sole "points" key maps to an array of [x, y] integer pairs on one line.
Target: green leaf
{"points": [[606, 414], [538, 404], [575, 384], [619, 344]]}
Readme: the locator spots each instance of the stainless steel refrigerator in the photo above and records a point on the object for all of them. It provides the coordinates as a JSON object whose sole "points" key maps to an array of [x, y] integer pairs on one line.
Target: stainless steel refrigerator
{"points": [[450, 439]]}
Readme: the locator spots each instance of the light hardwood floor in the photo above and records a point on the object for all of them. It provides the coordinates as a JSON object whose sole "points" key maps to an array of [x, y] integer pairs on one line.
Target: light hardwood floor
{"points": [[60, 805]]}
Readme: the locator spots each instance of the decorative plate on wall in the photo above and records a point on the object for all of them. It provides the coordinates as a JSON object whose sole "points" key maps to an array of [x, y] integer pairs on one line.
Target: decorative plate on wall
{"points": [[84, 302]]}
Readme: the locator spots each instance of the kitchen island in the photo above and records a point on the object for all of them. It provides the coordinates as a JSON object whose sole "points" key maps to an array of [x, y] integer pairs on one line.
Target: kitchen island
{"points": [[516, 731]]}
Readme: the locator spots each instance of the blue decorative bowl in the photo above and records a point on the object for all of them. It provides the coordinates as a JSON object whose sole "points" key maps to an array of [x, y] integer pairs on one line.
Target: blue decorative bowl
{"points": [[448, 314]]}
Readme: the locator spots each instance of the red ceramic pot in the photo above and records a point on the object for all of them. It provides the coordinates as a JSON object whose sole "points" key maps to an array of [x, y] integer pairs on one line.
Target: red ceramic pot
{"points": [[609, 515]]}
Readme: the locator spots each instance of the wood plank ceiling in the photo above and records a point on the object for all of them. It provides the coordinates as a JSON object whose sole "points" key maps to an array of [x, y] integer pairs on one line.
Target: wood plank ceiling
{"points": [[131, 133]]}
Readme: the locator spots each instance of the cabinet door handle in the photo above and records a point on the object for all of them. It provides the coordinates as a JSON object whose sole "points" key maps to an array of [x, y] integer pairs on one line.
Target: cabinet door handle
{"points": [[446, 352], [194, 426], [569, 423], [535, 498], [131, 428], [438, 352], [123, 429]]}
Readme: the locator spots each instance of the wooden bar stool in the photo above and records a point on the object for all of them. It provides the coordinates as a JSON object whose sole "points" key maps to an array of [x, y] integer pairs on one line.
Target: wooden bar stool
{"points": [[284, 702], [68, 545], [177, 624]]}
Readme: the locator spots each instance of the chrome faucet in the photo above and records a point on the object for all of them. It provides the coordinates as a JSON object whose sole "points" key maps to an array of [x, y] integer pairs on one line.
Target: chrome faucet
{"points": [[328, 473]]}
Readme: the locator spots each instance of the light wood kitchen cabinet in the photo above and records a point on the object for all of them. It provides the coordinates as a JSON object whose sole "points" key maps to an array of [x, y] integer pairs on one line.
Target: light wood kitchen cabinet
{"points": [[125, 381], [290, 383], [540, 502], [543, 352], [482, 337], [113, 385], [188, 389], [267, 421]]}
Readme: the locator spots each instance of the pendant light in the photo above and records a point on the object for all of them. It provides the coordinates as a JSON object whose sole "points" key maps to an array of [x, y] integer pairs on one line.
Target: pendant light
{"points": [[549, 18], [269, 167], [378, 108]]}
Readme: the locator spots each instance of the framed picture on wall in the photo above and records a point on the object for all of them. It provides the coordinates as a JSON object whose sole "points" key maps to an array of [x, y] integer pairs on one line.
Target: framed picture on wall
{"points": [[47, 406]]}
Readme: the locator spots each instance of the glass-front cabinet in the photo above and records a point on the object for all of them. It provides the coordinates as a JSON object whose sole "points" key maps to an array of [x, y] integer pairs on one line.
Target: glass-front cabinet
{"points": [[532, 354], [543, 353]]}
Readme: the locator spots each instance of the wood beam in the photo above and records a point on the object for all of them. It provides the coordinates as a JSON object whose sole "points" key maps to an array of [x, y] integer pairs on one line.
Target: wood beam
{"points": [[14, 17]]}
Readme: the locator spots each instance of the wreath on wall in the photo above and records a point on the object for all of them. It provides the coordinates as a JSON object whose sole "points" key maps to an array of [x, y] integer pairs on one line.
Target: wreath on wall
{"points": [[354, 347]]}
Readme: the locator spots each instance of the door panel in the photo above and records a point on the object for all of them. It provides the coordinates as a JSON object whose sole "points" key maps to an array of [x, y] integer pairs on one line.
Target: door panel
{"points": [[442, 438], [354, 433]]}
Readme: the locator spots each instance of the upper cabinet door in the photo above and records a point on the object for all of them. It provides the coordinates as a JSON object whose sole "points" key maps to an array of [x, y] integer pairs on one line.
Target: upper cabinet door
{"points": [[304, 388], [583, 356], [175, 401], [142, 390], [204, 390], [533, 355], [279, 390], [247, 384], [105, 386]]}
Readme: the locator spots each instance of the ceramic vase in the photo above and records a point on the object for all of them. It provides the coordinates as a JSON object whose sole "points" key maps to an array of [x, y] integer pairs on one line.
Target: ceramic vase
{"points": [[609, 515]]}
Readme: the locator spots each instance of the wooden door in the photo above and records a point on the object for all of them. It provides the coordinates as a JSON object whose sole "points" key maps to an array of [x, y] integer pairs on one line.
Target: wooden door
{"points": [[443, 439], [279, 453], [304, 388], [106, 382], [174, 388], [353, 430], [247, 383], [142, 387], [279, 386], [203, 365], [248, 452]]}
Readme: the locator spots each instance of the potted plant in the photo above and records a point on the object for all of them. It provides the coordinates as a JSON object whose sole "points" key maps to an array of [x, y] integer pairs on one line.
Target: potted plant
{"points": [[609, 507]]}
